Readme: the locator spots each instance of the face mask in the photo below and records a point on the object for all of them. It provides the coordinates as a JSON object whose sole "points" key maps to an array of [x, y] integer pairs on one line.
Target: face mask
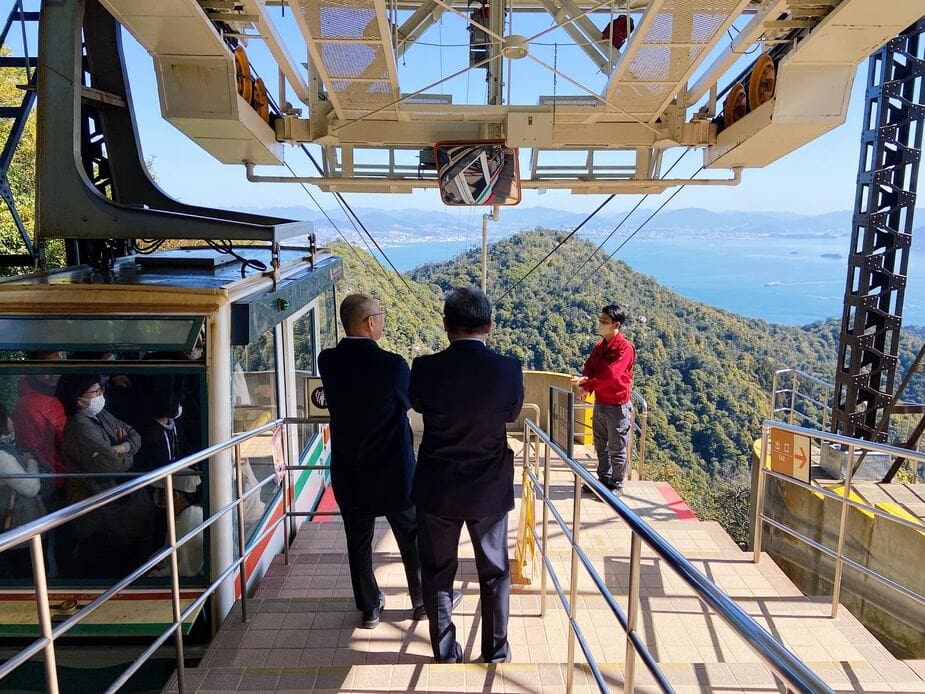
{"points": [[95, 405], [179, 412]]}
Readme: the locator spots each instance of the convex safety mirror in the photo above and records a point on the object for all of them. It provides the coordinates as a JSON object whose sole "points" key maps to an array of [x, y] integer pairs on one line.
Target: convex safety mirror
{"points": [[470, 173]]}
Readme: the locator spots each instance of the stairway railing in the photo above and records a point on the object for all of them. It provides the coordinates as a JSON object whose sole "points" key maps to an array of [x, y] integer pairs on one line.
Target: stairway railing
{"points": [[806, 400], [779, 462], [781, 661], [33, 531]]}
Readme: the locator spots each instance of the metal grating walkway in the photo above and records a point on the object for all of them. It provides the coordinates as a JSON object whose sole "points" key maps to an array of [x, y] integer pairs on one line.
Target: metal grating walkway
{"points": [[672, 38]]}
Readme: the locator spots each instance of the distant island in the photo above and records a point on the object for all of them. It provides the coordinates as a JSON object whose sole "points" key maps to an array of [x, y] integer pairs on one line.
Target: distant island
{"points": [[833, 256]]}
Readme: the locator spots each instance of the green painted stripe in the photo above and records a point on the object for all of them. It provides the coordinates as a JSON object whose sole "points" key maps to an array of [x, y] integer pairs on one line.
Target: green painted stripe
{"points": [[120, 629]]}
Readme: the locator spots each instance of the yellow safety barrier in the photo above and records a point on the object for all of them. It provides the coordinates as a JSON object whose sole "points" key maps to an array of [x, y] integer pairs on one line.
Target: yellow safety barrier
{"points": [[524, 564]]}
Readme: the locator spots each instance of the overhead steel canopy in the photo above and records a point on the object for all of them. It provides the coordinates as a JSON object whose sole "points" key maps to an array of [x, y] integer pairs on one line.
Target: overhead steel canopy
{"points": [[680, 78], [350, 45]]}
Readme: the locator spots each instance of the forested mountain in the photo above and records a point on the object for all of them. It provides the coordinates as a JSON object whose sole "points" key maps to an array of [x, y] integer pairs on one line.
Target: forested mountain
{"points": [[704, 372]]}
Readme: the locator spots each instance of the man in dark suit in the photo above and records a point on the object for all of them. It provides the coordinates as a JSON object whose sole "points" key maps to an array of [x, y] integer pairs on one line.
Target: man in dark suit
{"points": [[465, 472], [372, 460]]}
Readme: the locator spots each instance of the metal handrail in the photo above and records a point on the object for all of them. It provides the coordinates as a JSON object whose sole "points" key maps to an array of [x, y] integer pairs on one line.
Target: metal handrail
{"points": [[844, 499], [32, 533], [790, 408], [780, 660]]}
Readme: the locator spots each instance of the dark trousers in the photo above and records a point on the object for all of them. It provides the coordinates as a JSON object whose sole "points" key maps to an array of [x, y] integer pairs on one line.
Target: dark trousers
{"points": [[611, 426], [359, 530], [439, 541]]}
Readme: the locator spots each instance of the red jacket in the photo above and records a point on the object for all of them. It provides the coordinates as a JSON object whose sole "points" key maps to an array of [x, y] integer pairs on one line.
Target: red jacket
{"points": [[39, 421], [610, 371]]}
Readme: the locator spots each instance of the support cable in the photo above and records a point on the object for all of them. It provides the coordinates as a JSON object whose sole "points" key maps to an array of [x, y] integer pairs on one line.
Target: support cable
{"points": [[636, 231], [351, 216], [362, 260], [622, 222], [346, 207], [556, 248]]}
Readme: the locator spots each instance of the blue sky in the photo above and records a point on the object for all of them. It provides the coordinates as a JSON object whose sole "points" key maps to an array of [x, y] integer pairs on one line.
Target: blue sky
{"points": [[816, 179]]}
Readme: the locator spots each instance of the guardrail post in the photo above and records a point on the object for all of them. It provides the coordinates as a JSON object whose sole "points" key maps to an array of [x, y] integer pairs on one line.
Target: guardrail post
{"points": [[842, 524], [773, 393], [546, 483], [793, 396], [287, 516], [175, 582], [632, 612], [759, 495], [628, 473], [643, 429], [573, 584], [239, 509], [44, 613]]}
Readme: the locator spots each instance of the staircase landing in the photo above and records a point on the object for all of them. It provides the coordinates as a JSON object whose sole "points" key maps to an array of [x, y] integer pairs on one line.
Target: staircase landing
{"points": [[303, 630]]}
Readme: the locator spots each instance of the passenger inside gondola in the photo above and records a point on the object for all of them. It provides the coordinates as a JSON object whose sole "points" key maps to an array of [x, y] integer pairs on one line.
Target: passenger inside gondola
{"points": [[187, 510], [22, 499], [114, 540], [39, 418]]}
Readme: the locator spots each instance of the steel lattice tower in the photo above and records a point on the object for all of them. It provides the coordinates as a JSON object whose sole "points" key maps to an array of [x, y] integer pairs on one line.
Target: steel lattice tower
{"points": [[891, 143]]}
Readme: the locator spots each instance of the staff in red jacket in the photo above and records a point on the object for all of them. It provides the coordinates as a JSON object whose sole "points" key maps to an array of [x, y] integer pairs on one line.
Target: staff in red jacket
{"points": [[608, 373]]}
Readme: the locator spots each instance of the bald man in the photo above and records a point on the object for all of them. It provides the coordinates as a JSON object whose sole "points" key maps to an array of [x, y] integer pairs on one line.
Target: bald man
{"points": [[372, 459]]}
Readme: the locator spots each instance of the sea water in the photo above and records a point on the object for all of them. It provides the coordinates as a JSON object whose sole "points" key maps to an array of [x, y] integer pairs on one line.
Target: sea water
{"points": [[789, 280]]}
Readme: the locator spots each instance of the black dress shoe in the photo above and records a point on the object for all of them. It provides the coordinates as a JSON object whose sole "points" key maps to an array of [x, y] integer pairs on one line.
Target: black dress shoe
{"points": [[587, 491], [418, 613], [371, 617]]}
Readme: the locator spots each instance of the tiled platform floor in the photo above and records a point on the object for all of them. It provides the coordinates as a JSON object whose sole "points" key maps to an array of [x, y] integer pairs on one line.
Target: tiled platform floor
{"points": [[302, 633]]}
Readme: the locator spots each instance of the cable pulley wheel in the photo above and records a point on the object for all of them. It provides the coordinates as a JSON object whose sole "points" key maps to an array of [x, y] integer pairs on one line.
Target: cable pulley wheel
{"points": [[261, 100], [762, 82], [735, 106], [242, 74]]}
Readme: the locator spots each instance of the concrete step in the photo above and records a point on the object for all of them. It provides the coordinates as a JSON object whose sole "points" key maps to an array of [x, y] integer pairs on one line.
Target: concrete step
{"points": [[530, 678]]}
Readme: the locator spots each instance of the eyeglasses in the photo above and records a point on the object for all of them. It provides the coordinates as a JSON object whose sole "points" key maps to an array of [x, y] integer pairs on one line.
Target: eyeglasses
{"points": [[380, 313]]}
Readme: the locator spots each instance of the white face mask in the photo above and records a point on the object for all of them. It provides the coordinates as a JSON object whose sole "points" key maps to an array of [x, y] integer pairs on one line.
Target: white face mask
{"points": [[95, 405], [179, 412]]}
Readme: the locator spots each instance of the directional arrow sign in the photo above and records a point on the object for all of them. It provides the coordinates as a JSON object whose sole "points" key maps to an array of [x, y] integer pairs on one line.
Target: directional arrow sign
{"points": [[790, 454]]}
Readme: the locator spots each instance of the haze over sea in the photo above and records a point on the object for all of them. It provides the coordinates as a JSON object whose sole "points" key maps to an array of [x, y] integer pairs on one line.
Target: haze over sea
{"points": [[738, 275]]}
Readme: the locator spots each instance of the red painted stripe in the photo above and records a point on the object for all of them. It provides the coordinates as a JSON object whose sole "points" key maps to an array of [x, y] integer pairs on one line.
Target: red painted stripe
{"points": [[676, 503], [327, 503]]}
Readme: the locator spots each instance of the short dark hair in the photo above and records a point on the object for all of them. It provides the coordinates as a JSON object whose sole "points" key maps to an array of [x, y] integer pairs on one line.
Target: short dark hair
{"points": [[354, 309], [71, 387], [616, 313], [467, 310]]}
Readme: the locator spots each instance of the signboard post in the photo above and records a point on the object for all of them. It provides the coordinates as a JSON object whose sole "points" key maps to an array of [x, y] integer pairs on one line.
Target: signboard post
{"points": [[562, 418], [790, 454]]}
